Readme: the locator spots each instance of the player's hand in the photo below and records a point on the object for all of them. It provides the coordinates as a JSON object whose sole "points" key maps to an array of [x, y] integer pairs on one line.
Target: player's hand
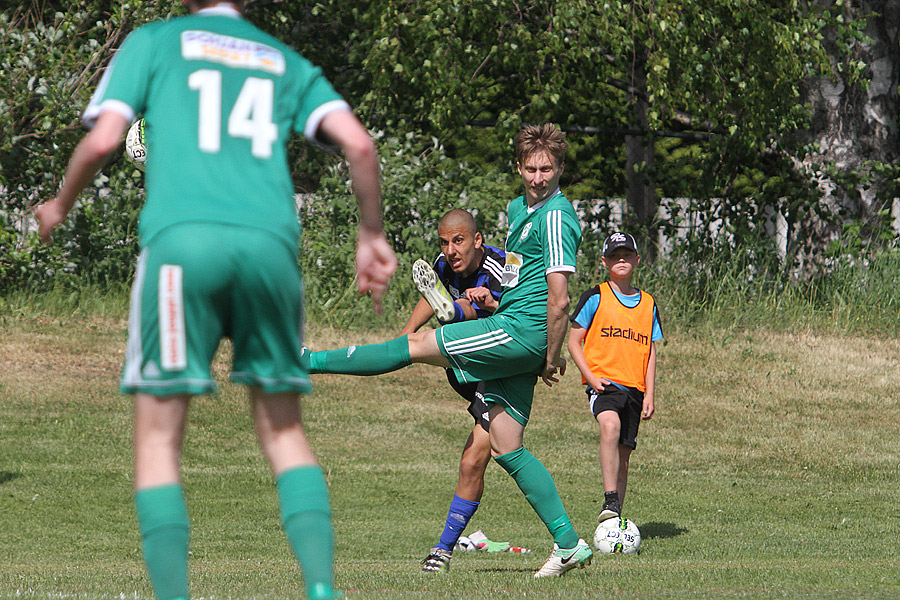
{"points": [[49, 215], [482, 297], [551, 368], [649, 407], [599, 384], [375, 263]]}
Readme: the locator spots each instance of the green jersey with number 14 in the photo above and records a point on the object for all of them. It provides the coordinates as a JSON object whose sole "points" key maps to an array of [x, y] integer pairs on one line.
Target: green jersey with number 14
{"points": [[220, 99], [541, 240]]}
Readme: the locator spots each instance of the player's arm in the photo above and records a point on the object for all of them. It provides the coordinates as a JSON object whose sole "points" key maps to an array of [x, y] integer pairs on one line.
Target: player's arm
{"points": [[557, 323], [421, 314], [89, 156], [650, 385], [375, 260], [468, 311], [576, 351], [482, 297]]}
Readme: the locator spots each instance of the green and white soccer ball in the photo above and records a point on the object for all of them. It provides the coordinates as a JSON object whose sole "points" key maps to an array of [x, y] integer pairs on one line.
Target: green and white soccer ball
{"points": [[135, 145], [617, 536]]}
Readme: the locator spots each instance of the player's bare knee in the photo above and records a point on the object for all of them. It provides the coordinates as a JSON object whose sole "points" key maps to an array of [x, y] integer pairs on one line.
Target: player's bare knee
{"points": [[610, 426], [473, 467], [423, 347]]}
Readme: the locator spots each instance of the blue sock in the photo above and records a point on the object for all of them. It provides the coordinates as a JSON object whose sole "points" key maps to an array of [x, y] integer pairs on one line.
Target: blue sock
{"points": [[461, 510], [458, 315]]}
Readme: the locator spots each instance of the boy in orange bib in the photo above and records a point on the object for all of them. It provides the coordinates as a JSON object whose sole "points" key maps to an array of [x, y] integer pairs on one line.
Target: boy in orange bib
{"points": [[612, 340]]}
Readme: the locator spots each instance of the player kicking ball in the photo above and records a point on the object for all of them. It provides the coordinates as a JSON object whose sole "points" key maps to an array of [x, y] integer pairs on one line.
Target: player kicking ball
{"points": [[464, 284], [511, 348]]}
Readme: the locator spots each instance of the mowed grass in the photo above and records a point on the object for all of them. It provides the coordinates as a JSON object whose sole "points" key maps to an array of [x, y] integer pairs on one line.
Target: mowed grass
{"points": [[769, 471]]}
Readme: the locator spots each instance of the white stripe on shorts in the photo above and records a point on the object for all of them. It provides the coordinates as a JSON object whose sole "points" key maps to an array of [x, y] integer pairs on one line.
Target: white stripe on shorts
{"points": [[131, 375], [497, 337], [170, 295], [505, 403]]}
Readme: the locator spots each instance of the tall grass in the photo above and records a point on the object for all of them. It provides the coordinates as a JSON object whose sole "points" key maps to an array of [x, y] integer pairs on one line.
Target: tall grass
{"points": [[65, 299], [742, 288]]}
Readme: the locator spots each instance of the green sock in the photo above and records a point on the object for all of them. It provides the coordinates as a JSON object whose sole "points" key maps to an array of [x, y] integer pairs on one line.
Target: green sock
{"points": [[163, 520], [536, 483], [306, 518], [371, 359]]}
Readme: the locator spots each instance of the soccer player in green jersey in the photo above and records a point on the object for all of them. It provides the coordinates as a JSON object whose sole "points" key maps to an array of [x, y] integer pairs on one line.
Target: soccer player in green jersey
{"points": [[219, 234], [519, 342]]}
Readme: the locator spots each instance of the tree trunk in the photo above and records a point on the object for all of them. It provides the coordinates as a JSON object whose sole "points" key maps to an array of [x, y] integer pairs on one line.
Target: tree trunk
{"points": [[639, 159], [855, 122]]}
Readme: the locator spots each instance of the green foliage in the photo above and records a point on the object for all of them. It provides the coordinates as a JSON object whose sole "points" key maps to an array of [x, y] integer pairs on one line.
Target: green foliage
{"points": [[434, 69], [735, 67], [732, 70], [52, 60], [420, 184]]}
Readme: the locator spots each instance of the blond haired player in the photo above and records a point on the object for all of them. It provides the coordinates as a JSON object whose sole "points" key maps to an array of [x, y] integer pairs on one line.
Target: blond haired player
{"points": [[520, 342]]}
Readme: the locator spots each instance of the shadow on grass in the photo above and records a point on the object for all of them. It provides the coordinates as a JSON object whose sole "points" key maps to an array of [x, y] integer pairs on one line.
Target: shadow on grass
{"points": [[506, 570], [660, 530], [6, 476]]}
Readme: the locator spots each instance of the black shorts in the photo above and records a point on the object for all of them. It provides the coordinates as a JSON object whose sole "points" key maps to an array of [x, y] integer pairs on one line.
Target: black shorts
{"points": [[474, 393], [627, 403]]}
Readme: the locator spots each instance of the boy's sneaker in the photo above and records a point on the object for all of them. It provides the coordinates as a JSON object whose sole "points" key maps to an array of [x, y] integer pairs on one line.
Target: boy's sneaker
{"points": [[433, 291], [437, 561], [563, 560], [611, 509]]}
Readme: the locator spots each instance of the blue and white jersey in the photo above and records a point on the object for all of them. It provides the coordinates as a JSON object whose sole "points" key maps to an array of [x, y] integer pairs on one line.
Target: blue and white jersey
{"points": [[488, 274]]}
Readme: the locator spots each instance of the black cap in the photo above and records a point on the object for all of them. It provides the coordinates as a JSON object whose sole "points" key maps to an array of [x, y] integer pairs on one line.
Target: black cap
{"points": [[619, 240]]}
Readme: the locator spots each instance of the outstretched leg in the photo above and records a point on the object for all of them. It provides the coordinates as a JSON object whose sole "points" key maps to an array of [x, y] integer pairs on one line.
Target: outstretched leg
{"points": [[375, 359]]}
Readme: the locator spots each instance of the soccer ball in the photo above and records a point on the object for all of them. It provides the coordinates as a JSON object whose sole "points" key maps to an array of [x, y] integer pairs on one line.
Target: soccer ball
{"points": [[135, 148], [617, 536]]}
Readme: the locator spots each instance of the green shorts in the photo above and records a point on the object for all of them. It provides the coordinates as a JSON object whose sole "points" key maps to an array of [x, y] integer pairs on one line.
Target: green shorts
{"points": [[486, 350], [197, 283]]}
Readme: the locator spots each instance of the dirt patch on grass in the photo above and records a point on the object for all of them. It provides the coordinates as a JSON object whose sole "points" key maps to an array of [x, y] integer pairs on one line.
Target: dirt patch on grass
{"points": [[40, 356]]}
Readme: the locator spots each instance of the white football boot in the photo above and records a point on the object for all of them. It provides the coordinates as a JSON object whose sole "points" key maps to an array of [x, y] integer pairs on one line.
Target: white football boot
{"points": [[563, 560], [433, 291]]}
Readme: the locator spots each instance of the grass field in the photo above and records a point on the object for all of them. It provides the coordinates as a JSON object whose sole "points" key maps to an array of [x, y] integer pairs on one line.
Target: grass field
{"points": [[769, 471]]}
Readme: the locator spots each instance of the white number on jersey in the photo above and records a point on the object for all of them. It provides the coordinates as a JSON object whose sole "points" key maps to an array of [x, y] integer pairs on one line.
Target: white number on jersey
{"points": [[250, 117]]}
